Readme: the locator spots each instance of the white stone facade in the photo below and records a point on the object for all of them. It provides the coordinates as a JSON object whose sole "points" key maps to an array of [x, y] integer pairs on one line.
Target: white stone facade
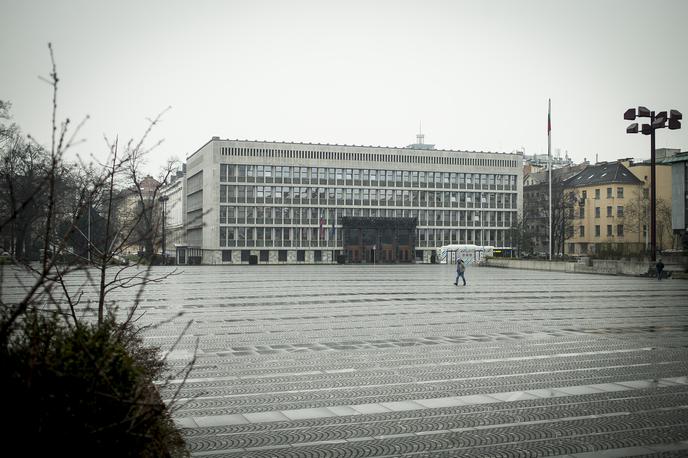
{"points": [[175, 213], [282, 199]]}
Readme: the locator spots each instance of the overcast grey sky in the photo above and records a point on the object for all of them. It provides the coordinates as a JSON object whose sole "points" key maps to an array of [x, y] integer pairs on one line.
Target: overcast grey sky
{"points": [[476, 73]]}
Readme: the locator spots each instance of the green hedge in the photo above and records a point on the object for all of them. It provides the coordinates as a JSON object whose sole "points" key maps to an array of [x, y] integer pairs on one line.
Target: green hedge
{"points": [[83, 391]]}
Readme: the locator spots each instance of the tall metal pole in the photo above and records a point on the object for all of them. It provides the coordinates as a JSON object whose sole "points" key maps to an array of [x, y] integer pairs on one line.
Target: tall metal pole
{"points": [[549, 163], [653, 191]]}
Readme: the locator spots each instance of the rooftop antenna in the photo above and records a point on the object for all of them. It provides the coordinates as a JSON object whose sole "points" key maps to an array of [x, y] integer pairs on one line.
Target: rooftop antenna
{"points": [[420, 138]]}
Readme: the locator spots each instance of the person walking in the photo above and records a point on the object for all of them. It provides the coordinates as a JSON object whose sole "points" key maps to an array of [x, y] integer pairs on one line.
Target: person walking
{"points": [[460, 271], [660, 268]]}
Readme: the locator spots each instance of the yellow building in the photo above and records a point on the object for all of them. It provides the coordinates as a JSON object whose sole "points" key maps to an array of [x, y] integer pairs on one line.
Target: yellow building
{"points": [[642, 200], [613, 207]]}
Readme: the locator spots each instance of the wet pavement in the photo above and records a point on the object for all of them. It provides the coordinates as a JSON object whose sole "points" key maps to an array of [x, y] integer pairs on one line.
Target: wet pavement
{"points": [[313, 361]]}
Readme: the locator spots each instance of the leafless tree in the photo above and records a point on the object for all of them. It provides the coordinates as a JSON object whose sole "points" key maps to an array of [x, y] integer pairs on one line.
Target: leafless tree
{"points": [[520, 237], [54, 197], [636, 217], [565, 200], [24, 170]]}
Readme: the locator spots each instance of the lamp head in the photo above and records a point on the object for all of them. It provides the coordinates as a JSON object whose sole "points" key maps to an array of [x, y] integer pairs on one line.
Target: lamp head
{"points": [[660, 120], [643, 112]]}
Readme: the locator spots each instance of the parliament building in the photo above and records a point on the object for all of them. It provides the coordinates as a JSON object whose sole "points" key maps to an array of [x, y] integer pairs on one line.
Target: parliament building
{"points": [[275, 202]]}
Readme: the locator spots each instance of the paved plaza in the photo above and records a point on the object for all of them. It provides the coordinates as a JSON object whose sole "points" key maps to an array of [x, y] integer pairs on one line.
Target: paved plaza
{"points": [[386, 361], [361, 360]]}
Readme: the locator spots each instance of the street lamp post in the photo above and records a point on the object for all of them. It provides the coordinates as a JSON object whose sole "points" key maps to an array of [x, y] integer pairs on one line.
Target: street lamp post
{"points": [[163, 200], [657, 121]]}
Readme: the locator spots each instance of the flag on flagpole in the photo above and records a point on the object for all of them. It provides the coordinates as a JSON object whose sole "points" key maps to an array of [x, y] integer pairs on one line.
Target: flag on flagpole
{"points": [[322, 226]]}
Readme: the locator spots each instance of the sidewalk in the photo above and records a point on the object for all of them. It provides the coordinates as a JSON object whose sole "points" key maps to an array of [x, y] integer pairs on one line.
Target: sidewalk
{"points": [[598, 266]]}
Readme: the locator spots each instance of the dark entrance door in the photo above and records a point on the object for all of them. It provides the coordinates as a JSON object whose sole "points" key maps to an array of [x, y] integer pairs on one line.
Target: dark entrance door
{"points": [[379, 240]]}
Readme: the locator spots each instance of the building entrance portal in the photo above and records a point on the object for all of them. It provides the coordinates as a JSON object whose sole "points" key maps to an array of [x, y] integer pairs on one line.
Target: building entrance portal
{"points": [[378, 240]]}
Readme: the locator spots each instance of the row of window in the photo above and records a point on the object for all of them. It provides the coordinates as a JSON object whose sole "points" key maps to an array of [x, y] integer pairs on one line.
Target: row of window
{"points": [[365, 196], [247, 236], [598, 193], [598, 230], [364, 177], [264, 255], [327, 216], [424, 158], [610, 211]]}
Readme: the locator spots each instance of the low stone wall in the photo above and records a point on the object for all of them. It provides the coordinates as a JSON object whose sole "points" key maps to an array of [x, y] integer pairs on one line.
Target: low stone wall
{"points": [[635, 268], [525, 264]]}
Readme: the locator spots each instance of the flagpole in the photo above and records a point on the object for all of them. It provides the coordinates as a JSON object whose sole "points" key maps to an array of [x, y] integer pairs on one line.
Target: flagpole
{"points": [[549, 163]]}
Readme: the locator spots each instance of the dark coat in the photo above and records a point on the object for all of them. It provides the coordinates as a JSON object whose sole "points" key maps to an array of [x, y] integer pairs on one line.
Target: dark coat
{"points": [[460, 266]]}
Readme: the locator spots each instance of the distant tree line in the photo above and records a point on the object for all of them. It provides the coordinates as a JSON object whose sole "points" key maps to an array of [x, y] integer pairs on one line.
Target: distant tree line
{"points": [[91, 213]]}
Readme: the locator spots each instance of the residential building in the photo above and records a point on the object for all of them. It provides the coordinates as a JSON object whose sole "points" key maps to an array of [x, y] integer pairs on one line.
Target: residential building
{"points": [[612, 215], [533, 163], [641, 200], [663, 154], [288, 202], [536, 208]]}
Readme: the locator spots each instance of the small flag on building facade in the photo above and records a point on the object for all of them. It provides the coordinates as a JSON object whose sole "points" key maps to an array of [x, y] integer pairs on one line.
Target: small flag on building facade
{"points": [[334, 217], [322, 226]]}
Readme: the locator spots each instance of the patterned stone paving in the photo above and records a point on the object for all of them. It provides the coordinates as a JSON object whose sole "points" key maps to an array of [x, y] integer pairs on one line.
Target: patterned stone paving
{"points": [[387, 361]]}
